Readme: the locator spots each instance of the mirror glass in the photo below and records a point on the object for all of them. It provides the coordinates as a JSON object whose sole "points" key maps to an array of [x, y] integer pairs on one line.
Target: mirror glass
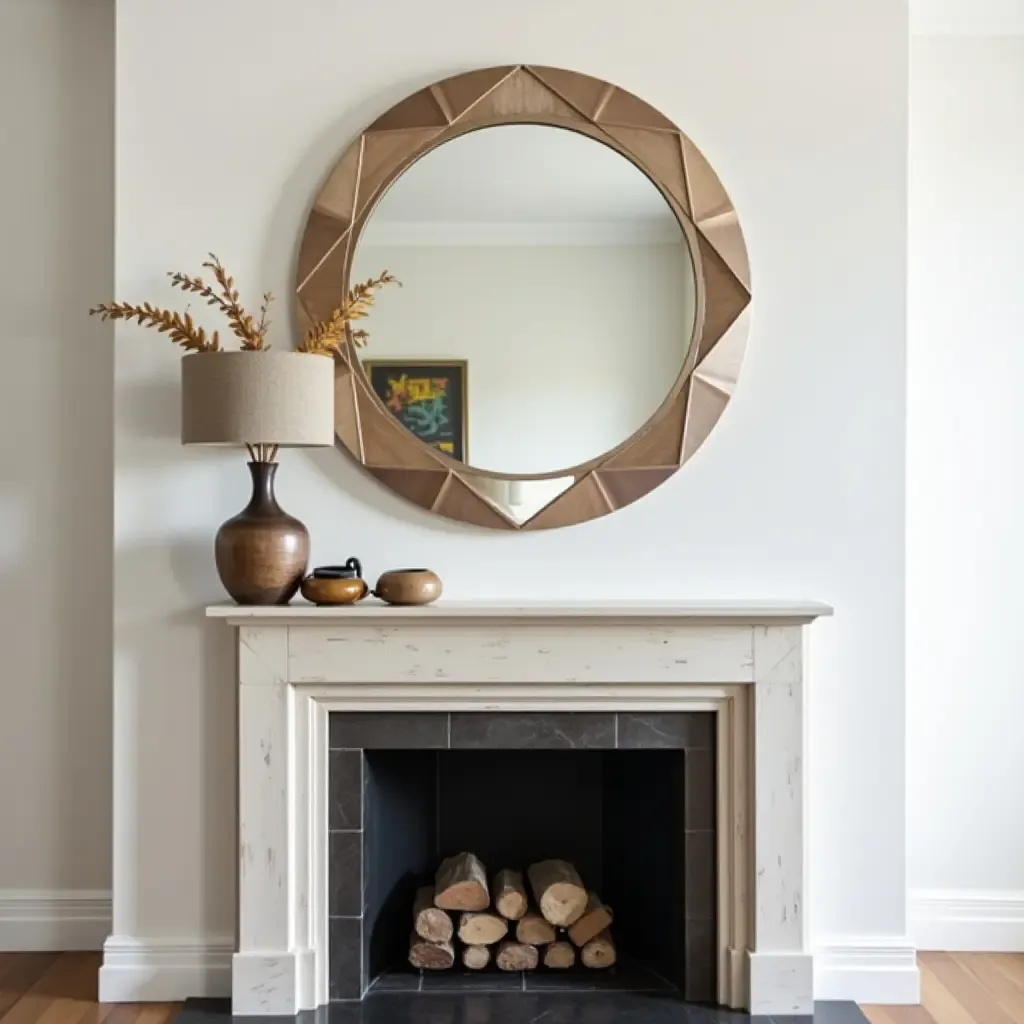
{"points": [[546, 308]]}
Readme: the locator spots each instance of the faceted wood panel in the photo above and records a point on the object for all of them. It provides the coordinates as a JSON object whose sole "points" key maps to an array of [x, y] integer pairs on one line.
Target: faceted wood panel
{"points": [[459, 501], [520, 94], [420, 486], [623, 107], [337, 198], [624, 486], [726, 239], [725, 298], [463, 91], [323, 233], [583, 93], [710, 197], [584, 500], [539, 95], [707, 403], [421, 110]]}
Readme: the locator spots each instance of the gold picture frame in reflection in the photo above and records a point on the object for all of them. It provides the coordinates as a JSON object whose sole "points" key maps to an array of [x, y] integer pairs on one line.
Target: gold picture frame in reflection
{"points": [[429, 397]]}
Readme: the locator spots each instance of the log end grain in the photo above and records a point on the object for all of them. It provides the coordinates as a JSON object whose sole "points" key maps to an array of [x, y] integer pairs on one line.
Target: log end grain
{"points": [[533, 930], [516, 956], [478, 928], [461, 884], [559, 956], [431, 956], [476, 958], [599, 953]]}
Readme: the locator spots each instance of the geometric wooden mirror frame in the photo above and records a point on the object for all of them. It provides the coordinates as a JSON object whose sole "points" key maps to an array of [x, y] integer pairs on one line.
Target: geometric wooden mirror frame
{"points": [[565, 99]]}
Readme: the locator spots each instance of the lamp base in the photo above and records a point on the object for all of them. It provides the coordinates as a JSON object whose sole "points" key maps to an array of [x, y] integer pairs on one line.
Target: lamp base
{"points": [[262, 553]]}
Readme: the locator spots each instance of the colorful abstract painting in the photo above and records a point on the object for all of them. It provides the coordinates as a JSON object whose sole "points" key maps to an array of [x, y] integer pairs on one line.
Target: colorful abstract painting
{"points": [[427, 398]]}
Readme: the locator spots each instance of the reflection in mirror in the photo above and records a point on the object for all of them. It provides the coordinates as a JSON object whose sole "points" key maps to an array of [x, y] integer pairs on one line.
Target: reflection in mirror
{"points": [[547, 304]]}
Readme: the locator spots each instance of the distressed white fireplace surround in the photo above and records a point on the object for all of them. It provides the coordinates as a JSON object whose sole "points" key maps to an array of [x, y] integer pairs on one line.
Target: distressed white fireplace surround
{"points": [[742, 660]]}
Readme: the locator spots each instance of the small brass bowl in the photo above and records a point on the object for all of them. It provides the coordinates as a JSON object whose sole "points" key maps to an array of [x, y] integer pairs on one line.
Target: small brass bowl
{"points": [[408, 586], [327, 590]]}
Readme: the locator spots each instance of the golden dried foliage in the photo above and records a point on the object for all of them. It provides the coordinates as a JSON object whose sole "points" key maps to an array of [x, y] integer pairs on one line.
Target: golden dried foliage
{"points": [[252, 333], [326, 337], [180, 326]]}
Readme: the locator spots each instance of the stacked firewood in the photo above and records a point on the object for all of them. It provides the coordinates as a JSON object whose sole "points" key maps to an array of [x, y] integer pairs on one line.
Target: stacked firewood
{"points": [[463, 917]]}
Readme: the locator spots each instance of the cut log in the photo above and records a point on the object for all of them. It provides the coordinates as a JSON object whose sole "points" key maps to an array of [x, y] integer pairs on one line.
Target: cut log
{"points": [[461, 884], [559, 955], [595, 919], [481, 929], [428, 921], [431, 956], [599, 952], [516, 956], [534, 930], [510, 894], [559, 891], [476, 958]]}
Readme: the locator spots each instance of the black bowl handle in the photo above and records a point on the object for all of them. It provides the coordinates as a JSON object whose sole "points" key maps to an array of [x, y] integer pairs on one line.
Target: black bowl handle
{"points": [[354, 563]]}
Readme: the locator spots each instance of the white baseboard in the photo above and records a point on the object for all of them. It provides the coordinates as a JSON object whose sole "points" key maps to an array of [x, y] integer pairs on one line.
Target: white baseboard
{"points": [[165, 970], [867, 971], [47, 920], [169, 970], [968, 920]]}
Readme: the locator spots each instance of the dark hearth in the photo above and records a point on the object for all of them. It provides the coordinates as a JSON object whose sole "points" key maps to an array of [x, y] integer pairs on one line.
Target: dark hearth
{"points": [[487, 1007], [628, 799]]}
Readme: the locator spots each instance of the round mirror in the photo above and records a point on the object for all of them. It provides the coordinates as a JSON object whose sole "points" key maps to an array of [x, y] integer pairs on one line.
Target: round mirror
{"points": [[547, 300], [569, 327]]}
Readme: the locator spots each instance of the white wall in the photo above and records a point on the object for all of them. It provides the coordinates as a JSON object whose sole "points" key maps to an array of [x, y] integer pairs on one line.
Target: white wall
{"points": [[569, 348], [966, 17], [228, 116], [965, 490], [56, 258]]}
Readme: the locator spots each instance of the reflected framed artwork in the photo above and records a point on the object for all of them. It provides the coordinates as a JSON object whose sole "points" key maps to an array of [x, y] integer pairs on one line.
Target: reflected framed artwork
{"points": [[428, 397]]}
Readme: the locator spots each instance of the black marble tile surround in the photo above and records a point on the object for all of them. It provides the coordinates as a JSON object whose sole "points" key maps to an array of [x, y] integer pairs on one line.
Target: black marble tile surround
{"points": [[516, 1008], [506, 730], [359, 742]]}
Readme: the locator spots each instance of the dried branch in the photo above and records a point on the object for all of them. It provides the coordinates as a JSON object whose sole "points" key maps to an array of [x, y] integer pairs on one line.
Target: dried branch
{"points": [[327, 337], [181, 328], [242, 325], [199, 287], [264, 324]]}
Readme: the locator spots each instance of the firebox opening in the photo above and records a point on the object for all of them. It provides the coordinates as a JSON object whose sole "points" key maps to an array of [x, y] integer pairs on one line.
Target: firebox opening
{"points": [[620, 816]]}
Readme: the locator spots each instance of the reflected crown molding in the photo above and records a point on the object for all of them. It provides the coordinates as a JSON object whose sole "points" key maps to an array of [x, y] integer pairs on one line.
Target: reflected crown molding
{"points": [[521, 233]]}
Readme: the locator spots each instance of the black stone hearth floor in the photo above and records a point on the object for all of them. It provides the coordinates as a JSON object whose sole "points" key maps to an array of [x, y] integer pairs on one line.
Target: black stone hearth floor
{"points": [[628, 994], [584, 1007]]}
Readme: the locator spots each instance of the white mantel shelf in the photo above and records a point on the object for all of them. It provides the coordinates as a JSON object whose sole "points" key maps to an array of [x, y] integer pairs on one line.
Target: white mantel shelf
{"points": [[741, 659], [755, 612]]}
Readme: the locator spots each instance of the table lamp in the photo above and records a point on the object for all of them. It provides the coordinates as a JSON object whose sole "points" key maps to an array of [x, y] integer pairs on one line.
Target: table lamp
{"points": [[264, 401]]}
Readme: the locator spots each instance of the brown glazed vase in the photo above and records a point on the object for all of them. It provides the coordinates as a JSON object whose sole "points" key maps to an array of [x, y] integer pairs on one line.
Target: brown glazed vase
{"points": [[262, 552]]}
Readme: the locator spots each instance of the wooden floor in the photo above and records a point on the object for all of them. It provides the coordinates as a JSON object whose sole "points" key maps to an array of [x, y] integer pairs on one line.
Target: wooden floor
{"points": [[962, 988], [60, 988]]}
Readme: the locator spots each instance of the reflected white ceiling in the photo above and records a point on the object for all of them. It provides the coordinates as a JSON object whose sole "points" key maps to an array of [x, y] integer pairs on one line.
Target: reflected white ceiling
{"points": [[523, 174]]}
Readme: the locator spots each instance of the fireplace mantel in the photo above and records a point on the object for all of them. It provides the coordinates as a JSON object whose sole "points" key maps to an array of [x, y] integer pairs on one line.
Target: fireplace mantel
{"points": [[757, 612], [741, 659]]}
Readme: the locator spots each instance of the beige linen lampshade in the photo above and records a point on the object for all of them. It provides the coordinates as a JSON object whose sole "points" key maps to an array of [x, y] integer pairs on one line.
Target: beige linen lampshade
{"points": [[237, 398]]}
